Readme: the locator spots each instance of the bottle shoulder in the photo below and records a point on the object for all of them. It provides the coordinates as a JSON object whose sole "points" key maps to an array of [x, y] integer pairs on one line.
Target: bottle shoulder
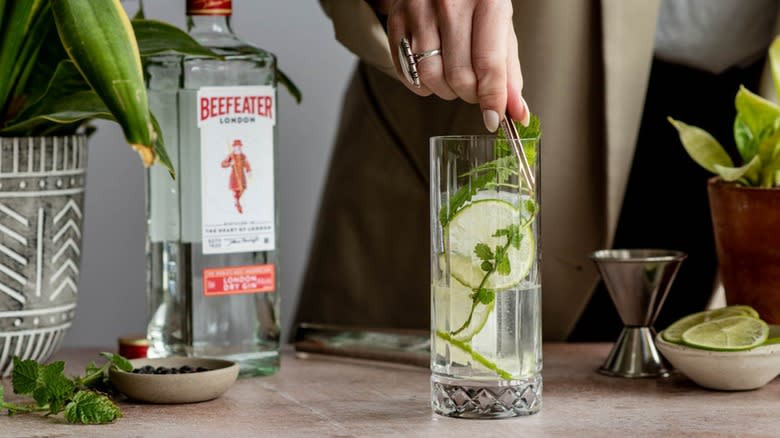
{"points": [[231, 47]]}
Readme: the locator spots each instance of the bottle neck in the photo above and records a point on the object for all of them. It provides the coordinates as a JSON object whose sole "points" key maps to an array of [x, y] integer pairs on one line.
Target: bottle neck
{"points": [[209, 24]]}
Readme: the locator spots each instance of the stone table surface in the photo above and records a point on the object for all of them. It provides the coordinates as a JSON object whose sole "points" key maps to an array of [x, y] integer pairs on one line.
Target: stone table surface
{"points": [[321, 396]]}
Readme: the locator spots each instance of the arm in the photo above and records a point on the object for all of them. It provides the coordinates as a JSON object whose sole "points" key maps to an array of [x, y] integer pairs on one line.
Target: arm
{"points": [[479, 61], [358, 29], [227, 161]]}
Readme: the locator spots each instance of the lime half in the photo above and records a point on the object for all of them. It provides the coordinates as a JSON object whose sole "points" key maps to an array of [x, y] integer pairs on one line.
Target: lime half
{"points": [[727, 334], [477, 223], [674, 332]]}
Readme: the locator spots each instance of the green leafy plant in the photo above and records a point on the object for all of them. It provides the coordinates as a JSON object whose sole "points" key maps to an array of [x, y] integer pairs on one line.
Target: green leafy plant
{"points": [[64, 63], [83, 399], [756, 133]]}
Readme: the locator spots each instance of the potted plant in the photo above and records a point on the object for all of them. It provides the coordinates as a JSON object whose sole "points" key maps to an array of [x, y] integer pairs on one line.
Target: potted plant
{"points": [[745, 198], [63, 63]]}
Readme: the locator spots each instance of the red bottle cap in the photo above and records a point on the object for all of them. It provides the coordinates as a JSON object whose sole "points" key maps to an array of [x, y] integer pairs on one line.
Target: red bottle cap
{"points": [[133, 347], [209, 7]]}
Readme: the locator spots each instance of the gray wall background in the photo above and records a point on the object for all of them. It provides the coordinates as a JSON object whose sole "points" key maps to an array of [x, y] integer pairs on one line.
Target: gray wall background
{"points": [[112, 299]]}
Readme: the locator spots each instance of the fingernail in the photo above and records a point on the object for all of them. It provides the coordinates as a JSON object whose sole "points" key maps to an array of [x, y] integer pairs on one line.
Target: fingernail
{"points": [[526, 120], [490, 118]]}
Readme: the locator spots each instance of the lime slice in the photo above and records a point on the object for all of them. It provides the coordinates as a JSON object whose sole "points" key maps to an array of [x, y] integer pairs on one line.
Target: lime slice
{"points": [[727, 334], [674, 332], [477, 223], [452, 306], [736, 310]]}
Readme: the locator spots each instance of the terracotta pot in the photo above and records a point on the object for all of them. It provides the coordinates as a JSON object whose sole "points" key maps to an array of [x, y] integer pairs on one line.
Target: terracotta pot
{"points": [[746, 222]]}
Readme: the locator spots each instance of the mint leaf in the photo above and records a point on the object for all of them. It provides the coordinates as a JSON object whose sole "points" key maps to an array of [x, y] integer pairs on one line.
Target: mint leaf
{"points": [[483, 252], [502, 232], [533, 131], [118, 361], [528, 210], [484, 295], [502, 261], [25, 376], [88, 407], [54, 388], [464, 195], [502, 266], [516, 240]]}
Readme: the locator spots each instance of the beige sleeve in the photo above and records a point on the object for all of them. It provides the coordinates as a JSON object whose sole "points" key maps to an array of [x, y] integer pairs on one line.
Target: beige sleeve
{"points": [[358, 29]]}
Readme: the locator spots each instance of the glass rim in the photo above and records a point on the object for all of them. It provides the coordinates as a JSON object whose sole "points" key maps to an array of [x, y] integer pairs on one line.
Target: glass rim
{"points": [[476, 137]]}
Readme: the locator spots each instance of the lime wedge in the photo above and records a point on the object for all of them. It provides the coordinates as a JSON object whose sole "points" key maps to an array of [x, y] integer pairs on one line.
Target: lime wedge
{"points": [[453, 307], [727, 334], [477, 223], [674, 332]]}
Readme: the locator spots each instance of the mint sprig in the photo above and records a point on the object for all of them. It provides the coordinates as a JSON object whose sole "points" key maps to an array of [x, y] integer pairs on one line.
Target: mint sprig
{"points": [[53, 392], [493, 261], [495, 173]]}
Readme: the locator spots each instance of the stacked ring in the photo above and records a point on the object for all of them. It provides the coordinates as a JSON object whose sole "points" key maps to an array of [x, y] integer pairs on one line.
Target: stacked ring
{"points": [[409, 60]]}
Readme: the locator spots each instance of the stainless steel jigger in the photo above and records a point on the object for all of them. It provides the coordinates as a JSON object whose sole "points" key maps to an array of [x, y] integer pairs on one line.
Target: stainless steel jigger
{"points": [[638, 281]]}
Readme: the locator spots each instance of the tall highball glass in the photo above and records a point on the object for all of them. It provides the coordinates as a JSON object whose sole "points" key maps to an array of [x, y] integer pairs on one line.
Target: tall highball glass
{"points": [[486, 352]]}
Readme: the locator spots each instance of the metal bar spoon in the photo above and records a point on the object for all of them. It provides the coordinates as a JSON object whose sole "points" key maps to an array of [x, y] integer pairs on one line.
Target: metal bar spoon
{"points": [[514, 140]]}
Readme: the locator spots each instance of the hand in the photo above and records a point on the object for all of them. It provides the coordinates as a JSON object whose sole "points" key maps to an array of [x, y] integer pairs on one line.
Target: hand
{"points": [[479, 61]]}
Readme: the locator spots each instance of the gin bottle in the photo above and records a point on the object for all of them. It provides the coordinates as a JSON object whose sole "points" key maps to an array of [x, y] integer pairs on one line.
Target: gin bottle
{"points": [[211, 244]]}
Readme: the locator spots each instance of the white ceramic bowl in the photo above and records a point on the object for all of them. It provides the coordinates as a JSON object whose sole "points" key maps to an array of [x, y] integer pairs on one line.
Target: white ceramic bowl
{"points": [[724, 370], [176, 388]]}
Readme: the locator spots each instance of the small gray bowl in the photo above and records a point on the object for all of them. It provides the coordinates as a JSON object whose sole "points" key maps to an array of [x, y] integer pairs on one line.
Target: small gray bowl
{"points": [[176, 388], [724, 370]]}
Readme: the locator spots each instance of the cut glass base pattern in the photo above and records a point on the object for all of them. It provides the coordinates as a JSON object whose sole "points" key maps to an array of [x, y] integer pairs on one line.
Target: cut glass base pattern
{"points": [[474, 399]]}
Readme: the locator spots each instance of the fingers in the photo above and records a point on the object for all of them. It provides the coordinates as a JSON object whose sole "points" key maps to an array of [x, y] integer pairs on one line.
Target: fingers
{"points": [[515, 103], [426, 37], [455, 33], [397, 27], [489, 58], [479, 60]]}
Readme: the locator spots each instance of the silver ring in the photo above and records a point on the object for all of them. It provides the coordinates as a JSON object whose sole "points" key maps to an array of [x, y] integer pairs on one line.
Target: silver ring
{"points": [[409, 60]]}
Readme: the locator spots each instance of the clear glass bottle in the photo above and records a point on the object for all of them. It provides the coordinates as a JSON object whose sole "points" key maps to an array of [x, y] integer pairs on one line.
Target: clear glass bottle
{"points": [[211, 245]]}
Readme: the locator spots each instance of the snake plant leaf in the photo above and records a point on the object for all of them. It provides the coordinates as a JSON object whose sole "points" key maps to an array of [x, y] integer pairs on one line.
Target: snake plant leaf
{"points": [[774, 62], [749, 172], [28, 57], [140, 14], [155, 37], [69, 109], [99, 39], [65, 81], [287, 83], [63, 110], [702, 147], [21, 14], [160, 151], [757, 112], [49, 58], [2, 14]]}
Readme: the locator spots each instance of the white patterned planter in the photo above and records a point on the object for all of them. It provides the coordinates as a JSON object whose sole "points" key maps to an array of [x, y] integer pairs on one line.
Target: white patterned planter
{"points": [[41, 210]]}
